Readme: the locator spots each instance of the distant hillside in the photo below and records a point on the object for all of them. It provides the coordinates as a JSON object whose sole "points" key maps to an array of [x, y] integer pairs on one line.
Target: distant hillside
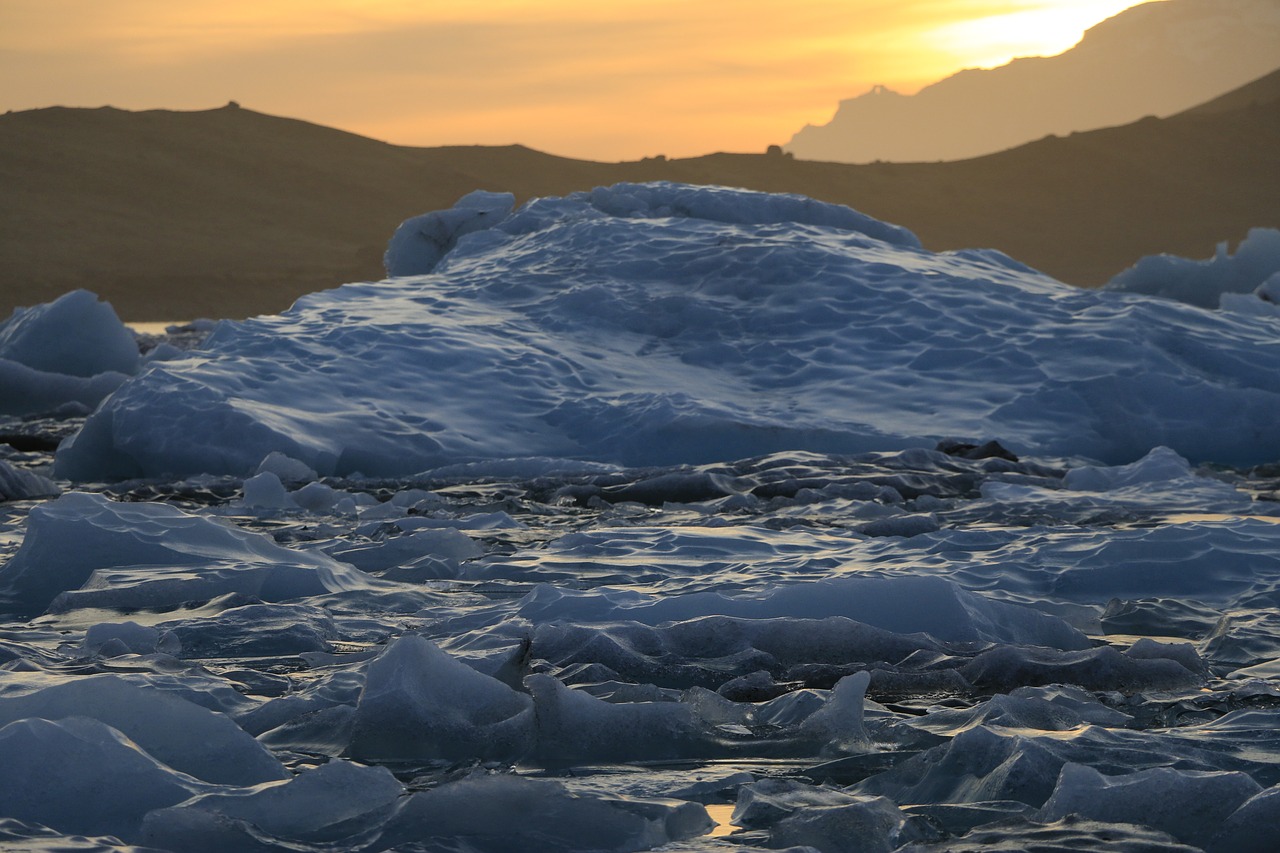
{"points": [[1154, 59], [228, 212]]}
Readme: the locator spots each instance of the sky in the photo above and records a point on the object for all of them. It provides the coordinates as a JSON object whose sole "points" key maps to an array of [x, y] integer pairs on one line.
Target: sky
{"points": [[597, 79]]}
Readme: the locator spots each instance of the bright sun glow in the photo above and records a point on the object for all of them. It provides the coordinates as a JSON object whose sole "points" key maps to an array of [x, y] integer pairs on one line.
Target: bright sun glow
{"points": [[1027, 29]]}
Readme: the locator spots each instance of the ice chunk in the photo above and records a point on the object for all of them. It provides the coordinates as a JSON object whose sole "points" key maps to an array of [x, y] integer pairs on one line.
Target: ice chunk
{"points": [[453, 546], [297, 809], [1198, 559], [163, 351], [735, 207], [26, 391], [1070, 833], [1057, 708], [1190, 805], [1244, 638], [1183, 653], [79, 776], [130, 638], [838, 723], [575, 727], [708, 650], [903, 604], [1160, 465], [254, 630], [19, 484], [1160, 481], [977, 765], [504, 812], [1102, 668], [316, 497], [201, 743], [1204, 282], [419, 243], [420, 704], [1074, 701], [286, 469], [21, 837], [75, 335], [762, 804], [149, 554], [266, 491], [1252, 827], [868, 825], [901, 525]]}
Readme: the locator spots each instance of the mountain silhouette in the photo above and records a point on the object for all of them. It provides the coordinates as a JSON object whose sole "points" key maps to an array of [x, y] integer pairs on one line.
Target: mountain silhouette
{"points": [[1153, 59], [230, 212]]}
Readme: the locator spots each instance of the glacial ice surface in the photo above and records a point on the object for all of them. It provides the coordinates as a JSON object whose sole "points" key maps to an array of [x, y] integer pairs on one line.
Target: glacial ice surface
{"points": [[613, 517], [661, 324]]}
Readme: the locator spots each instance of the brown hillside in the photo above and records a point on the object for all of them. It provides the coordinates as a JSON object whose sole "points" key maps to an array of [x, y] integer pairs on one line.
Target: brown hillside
{"points": [[229, 212]]}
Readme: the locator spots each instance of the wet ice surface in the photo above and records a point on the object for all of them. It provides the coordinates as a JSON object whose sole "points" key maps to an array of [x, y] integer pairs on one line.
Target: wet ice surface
{"points": [[851, 637], [808, 644]]}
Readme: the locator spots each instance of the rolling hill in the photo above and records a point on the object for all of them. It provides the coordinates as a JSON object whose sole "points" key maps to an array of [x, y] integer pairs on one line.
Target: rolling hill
{"points": [[229, 212]]}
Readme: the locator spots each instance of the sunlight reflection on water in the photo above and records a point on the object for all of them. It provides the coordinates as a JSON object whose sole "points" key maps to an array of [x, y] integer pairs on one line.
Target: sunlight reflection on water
{"points": [[1197, 517], [154, 328], [721, 814]]}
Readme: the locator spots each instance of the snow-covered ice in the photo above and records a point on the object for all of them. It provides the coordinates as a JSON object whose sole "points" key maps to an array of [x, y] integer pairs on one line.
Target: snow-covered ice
{"points": [[610, 517]]}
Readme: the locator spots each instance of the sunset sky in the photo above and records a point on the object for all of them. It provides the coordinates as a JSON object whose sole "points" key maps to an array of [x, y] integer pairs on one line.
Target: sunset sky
{"points": [[599, 79]]}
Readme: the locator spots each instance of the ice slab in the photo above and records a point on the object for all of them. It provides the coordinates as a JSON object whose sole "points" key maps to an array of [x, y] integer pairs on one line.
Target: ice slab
{"points": [[196, 741], [1192, 806], [18, 484], [499, 811], [82, 777], [298, 809], [86, 550], [902, 605]]}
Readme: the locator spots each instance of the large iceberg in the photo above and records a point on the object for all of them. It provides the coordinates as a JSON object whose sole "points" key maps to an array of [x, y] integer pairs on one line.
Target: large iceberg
{"points": [[658, 324]]}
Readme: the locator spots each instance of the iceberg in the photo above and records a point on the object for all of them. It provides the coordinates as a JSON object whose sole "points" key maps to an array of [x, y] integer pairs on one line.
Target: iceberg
{"points": [[659, 324], [1253, 269], [72, 352]]}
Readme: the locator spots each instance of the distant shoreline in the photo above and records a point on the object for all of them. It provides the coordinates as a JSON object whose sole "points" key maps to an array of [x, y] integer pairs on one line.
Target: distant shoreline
{"points": [[157, 327]]}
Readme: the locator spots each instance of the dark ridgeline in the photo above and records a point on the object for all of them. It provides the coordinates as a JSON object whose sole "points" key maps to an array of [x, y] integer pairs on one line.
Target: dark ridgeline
{"points": [[229, 212]]}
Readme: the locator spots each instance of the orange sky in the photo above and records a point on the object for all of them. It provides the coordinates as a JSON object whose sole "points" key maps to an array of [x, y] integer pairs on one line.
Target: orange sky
{"points": [[600, 79]]}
